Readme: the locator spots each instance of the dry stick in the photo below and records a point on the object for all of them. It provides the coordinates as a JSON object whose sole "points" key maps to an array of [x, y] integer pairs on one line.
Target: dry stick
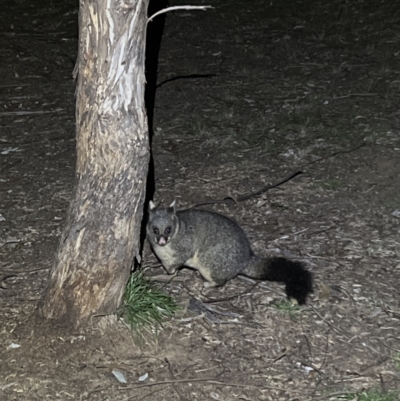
{"points": [[14, 85], [28, 271], [338, 331], [261, 191], [247, 291], [230, 200], [355, 95], [212, 381], [339, 152], [144, 397], [171, 372], [165, 10], [251, 195], [28, 113]]}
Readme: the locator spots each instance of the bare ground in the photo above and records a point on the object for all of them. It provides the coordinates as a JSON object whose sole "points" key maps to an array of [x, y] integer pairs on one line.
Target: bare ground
{"points": [[248, 92]]}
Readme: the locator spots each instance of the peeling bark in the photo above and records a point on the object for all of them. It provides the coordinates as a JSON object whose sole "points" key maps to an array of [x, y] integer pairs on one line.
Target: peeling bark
{"points": [[101, 234]]}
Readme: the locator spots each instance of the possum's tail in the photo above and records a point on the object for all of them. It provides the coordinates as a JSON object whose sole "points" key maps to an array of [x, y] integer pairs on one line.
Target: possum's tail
{"points": [[297, 279]]}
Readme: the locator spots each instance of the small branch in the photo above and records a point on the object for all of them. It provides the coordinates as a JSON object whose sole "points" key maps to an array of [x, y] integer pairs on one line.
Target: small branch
{"points": [[336, 330], [246, 292], [165, 10], [230, 200], [268, 187], [209, 380], [355, 95], [28, 113], [339, 152]]}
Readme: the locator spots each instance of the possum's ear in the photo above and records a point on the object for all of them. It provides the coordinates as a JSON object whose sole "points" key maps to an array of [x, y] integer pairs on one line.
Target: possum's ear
{"points": [[172, 206], [152, 206]]}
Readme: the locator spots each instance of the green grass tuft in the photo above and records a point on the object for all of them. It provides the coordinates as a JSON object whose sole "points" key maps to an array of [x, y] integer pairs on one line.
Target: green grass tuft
{"points": [[289, 308], [145, 307]]}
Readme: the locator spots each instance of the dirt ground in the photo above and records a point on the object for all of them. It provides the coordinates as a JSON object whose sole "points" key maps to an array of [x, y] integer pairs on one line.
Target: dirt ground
{"points": [[247, 93]]}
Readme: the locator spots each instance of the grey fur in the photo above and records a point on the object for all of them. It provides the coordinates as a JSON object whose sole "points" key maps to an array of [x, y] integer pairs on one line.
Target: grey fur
{"points": [[217, 247]]}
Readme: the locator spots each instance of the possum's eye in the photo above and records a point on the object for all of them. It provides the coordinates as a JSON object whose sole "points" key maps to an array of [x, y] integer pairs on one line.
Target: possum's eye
{"points": [[167, 230], [156, 231]]}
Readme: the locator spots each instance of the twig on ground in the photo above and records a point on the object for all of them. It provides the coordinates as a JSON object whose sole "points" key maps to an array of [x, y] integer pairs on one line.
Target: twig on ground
{"points": [[208, 380], [28, 113], [246, 292], [230, 200], [355, 95], [339, 152], [171, 372], [338, 331]]}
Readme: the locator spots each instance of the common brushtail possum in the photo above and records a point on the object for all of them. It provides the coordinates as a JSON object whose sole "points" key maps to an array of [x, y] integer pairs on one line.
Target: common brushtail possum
{"points": [[218, 248]]}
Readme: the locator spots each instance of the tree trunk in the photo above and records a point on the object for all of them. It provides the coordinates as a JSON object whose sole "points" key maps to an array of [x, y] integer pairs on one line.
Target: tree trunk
{"points": [[101, 234]]}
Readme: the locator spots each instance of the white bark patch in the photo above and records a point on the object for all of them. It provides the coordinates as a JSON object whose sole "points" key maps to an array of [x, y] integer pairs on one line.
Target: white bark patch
{"points": [[79, 239]]}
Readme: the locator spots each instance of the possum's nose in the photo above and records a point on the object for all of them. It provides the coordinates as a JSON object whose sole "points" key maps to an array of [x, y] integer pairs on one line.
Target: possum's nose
{"points": [[162, 241]]}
